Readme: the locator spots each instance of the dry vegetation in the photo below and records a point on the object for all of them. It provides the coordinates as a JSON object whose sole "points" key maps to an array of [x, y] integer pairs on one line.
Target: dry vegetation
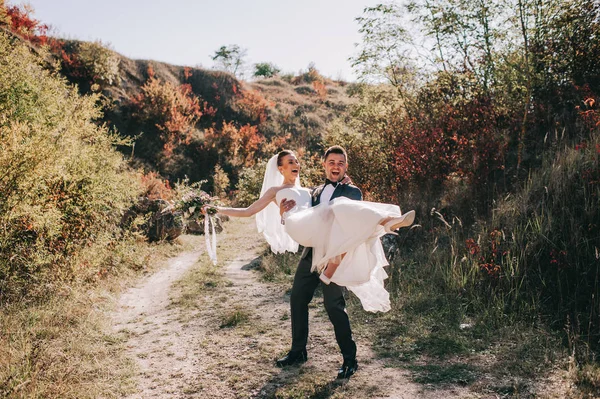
{"points": [[495, 291], [64, 346]]}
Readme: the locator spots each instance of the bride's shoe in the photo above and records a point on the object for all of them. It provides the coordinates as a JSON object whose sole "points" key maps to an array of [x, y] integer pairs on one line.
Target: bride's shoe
{"points": [[405, 220]]}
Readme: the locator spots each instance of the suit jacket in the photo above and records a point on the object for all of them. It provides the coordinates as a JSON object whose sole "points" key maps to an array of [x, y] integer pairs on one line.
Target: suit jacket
{"points": [[342, 190]]}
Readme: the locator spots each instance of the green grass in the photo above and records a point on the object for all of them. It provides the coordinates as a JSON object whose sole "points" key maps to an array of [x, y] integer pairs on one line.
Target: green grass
{"points": [[435, 374], [278, 267], [587, 378], [234, 318], [309, 386], [238, 239], [204, 277], [438, 338], [519, 323]]}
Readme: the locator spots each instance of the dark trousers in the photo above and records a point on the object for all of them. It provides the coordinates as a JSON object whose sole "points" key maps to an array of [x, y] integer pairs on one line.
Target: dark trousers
{"points": [[303, 290]]}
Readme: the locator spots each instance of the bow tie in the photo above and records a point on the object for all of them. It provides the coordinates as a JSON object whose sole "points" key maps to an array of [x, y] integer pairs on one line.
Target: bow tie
{"points": [[333, 183]]}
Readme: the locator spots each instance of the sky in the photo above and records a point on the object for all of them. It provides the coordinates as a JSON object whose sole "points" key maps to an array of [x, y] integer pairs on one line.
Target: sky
{"points": [[289, 34]]}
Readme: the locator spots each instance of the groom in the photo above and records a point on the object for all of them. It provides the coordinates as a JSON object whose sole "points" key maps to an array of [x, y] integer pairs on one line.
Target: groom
{"points": [[305, 282]]}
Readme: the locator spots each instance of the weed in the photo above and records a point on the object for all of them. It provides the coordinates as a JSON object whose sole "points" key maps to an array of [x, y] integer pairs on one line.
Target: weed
{"points": [[234, 318]]}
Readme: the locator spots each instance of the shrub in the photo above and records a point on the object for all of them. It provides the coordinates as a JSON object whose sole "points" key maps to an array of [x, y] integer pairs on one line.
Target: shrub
{"points": [[92, 61], [553, 228], [252, 106], [305, 90], [311, 172], [537, 255], [265, 70], [249, 184], [310, 76], [101, 63], [20, 22], [62, 183], [288, 77], [164, 213], [154, 187], [320, 89], [172, 110], [71, 65], [220, 182], [401, 152], [239, 146]]}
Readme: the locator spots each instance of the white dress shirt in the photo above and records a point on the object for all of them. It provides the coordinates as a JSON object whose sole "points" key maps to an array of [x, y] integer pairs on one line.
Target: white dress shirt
{"points": [[327, 193]]}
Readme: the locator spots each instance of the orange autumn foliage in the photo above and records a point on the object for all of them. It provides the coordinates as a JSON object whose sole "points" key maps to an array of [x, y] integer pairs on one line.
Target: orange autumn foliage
{"points": [[253, 104], [320, 89], [173, 110], [155, 187], [240, 144]]}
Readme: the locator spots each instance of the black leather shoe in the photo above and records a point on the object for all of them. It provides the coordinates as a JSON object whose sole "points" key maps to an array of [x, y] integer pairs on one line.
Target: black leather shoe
{"points": [[348, 369], [293, 357]]}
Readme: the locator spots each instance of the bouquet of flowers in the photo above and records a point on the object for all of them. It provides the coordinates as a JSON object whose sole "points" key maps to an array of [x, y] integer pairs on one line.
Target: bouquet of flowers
{"points": [[191, 202]]}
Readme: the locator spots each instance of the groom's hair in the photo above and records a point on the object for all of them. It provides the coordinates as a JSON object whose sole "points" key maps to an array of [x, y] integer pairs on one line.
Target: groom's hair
{"points": [[283, 154], [336, 149]]}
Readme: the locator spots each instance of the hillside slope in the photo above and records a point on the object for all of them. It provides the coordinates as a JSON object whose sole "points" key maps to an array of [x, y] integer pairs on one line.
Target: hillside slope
{"points": [[186, 120]]}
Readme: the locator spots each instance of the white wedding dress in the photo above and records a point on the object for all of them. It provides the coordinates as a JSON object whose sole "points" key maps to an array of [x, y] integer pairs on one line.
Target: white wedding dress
{"points": [[344, 226]]}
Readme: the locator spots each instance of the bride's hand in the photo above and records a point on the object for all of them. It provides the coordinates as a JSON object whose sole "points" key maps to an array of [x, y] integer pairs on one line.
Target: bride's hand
{"points": [[285, 205], [346, 180], [207, 208]]}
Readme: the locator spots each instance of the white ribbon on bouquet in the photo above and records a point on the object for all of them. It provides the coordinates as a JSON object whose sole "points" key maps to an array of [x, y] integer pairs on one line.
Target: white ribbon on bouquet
{"points": [[211, 245]]}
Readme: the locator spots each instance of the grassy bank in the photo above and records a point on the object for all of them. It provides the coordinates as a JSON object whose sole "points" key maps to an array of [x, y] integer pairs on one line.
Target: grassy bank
{"points": [[63, 346]]}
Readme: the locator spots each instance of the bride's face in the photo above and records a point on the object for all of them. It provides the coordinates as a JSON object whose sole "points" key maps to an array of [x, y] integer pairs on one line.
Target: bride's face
{"points": [[290, 167]]}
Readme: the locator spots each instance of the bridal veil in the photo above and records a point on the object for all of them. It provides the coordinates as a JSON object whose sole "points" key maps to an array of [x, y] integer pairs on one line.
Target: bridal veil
{"points": [[268, 221]]}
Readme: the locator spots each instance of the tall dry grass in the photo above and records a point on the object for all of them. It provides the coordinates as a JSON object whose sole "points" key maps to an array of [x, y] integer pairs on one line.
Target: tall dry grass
{"points": [[64, 346]]}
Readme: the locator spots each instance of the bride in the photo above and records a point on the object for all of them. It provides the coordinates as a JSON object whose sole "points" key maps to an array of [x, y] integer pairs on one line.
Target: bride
{"points": [[343, 233]]}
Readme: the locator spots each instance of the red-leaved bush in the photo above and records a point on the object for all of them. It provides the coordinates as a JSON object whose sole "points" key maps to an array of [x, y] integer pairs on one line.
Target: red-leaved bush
{"points": [[239, 144], [173, 110], [252, 105], [21, 23], [588, 111], [155, 187]]}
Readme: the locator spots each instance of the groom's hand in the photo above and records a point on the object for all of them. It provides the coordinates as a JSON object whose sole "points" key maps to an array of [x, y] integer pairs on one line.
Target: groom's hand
{"points": [[285, 205]]}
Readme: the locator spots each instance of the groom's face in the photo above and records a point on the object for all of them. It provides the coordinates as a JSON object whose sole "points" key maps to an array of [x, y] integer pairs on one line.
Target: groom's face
{"points": [[335, 166]]}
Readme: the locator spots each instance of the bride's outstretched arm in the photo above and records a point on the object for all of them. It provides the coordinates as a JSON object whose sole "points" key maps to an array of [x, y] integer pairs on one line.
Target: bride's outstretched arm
{"points": [[256, 207]]}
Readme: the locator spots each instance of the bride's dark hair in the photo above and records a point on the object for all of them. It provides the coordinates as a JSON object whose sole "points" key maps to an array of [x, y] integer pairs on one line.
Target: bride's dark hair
{"points": [[283, 154]]}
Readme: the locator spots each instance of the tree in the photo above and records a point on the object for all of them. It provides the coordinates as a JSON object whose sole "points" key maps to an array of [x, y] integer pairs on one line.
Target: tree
{"points": [[466, 34], [384, 54], [231, 59], [265, 70]]}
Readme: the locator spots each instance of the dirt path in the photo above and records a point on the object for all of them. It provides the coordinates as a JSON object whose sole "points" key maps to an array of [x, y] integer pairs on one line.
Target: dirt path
{"points": [[216, 336], [155, 337]]}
